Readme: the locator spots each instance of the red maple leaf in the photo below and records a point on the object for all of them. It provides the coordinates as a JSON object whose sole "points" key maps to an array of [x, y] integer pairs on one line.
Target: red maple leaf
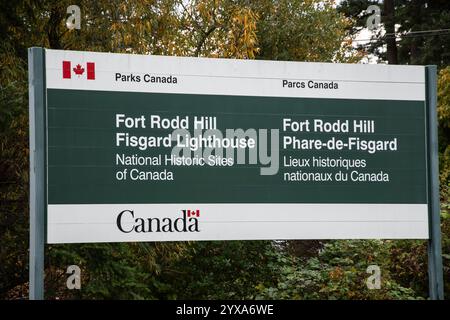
{"points": [[78, 70]]}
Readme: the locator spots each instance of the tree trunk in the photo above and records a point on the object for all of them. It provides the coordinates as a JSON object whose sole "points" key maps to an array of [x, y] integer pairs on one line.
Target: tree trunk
{"points": [[54, 22], [389, 25], [416, 20]]}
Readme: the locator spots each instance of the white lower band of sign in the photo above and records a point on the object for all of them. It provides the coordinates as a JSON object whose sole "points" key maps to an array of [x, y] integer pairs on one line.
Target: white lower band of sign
{"points": [[72, 223]]}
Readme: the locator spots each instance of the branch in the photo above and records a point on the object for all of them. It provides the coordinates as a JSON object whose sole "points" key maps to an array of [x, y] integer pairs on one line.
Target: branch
{"points": [[203, 39]]}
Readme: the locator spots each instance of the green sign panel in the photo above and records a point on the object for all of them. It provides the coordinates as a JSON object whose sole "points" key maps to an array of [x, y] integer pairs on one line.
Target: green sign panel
{"points": [[330, 150]]}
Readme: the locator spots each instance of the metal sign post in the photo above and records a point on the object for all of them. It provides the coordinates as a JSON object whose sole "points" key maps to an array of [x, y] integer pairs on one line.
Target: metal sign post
{"points": [[36, 76], [436, 282]]}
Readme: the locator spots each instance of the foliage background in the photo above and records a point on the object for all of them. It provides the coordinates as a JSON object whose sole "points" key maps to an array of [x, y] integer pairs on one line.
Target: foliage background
{"points": [[309, 30]]}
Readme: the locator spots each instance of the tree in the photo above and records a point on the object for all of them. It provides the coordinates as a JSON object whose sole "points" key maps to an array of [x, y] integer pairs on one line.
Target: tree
{"points": [[389, 24], [443, 110], [421, 37], [309, 30]]}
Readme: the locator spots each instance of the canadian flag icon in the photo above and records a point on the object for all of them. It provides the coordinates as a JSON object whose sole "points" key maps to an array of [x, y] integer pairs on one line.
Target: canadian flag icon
{"points": [[78, 70]]}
